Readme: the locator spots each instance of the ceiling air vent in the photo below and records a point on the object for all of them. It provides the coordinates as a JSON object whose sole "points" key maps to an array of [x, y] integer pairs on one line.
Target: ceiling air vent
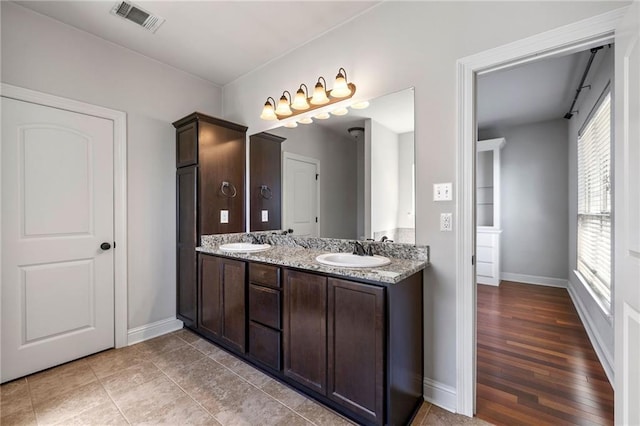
{"points": [[138, 15]]}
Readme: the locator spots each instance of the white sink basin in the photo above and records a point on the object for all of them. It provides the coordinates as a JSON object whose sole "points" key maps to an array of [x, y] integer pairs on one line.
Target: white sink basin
{"points": [[347, 260], [244, 247]]}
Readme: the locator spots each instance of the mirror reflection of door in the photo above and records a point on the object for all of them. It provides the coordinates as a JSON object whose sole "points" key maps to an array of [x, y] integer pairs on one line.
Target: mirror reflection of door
{"points": [[300, 182]]}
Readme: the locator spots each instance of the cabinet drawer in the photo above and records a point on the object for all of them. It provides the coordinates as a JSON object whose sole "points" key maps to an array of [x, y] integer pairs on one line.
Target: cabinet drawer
{"points": [[264, 305], [264, 345], [485, 240], [264, 274]]}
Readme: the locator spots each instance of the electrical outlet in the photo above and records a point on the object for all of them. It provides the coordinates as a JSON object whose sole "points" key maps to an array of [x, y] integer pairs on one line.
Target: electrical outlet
{"points": [[265, 215], [446, 220], [442, 191], [224, 216]]}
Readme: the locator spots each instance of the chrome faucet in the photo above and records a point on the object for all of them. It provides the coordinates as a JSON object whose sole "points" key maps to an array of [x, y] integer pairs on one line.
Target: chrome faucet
{"points": [[359, 250]]}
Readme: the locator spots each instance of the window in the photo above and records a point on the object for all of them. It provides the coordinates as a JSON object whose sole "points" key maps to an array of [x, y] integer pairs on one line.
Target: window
{"points": [[594, 201]]}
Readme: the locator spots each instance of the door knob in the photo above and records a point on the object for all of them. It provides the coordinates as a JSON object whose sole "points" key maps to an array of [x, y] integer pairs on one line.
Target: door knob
{"points": [[105, 246]]}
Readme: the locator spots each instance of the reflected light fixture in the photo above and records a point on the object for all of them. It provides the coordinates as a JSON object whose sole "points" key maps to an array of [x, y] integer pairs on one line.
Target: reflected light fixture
{"points": [[268, 113], [290, 124], [302, 102], [306, 120], [340, 111], [360, 105], [322, 116]]}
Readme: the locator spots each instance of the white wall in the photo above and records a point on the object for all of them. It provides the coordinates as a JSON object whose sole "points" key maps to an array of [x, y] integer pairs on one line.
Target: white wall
{"points": [[384, 179], [599, 325], [338, 179], [42, 54], [534, 192], [394, 46]]}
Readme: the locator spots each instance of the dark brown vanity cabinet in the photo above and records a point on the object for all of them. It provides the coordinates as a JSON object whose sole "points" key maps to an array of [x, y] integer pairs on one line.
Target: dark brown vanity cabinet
{"points": [[221, 305], [265, 177], [334, 340], [265, 315], [209, 153]]}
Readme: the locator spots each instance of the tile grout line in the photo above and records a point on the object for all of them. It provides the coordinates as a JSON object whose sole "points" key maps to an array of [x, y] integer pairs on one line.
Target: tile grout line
{"points": [[109, 395]]}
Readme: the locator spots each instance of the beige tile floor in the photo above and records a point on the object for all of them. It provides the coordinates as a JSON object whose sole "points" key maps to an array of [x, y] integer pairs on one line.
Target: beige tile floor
{"points": [[174, 379]]}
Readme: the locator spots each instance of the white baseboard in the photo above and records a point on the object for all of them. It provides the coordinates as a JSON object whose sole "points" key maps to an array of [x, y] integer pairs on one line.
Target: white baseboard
{"points": [[534, 279], [439, 394], [154, 329], [603, 355]]}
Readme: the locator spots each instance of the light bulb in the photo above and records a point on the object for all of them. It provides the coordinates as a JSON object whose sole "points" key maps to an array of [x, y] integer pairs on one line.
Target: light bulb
{"points": [[340, 111]]}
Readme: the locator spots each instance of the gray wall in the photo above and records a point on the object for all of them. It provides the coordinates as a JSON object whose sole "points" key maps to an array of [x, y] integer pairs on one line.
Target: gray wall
{"points": [[42, 54], [397, 45], [597, 319], [534, 193], [338, 175]]}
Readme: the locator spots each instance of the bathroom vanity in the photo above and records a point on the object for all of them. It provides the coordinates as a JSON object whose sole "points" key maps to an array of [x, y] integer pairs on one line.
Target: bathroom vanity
{"points": [[351, 338]]}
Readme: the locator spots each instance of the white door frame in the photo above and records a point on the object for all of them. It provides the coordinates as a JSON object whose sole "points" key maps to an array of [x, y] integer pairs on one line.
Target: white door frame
{"points": [[286, 155], [564, 40], [119, 120]]}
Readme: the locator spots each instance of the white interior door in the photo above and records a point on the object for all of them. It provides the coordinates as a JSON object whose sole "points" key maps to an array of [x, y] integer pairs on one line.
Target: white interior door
{"points": [[57, 210], [301, 195], [627, 219]]}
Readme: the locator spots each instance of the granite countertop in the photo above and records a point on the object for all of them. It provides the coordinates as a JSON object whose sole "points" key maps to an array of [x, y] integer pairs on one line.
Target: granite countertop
{"points": [[301, 253]]}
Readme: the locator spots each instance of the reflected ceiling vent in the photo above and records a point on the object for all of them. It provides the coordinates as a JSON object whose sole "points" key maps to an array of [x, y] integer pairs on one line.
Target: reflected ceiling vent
{"points": [[136, 14], [356, 132]]}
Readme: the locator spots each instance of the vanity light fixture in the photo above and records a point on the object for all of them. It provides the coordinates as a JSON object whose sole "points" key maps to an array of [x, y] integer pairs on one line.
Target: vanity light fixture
{"points": [[302, 102], [305, 120], [322, 116]]}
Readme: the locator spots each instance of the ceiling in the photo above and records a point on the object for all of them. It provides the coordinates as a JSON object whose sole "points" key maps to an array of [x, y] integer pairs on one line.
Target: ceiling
{"points": [[218, 41], [530, 93]]}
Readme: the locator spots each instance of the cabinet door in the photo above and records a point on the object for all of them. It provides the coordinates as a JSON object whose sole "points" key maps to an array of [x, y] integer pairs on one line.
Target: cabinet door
{"points": [[186, 277], [305, 329], [234, 318], [355, 347], [210, 306], [187, 145]]}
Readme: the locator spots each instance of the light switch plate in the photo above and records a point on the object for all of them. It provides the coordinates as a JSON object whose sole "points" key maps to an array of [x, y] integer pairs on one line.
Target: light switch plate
{"points": [[224, 216], [265, 215], [443, 191]]}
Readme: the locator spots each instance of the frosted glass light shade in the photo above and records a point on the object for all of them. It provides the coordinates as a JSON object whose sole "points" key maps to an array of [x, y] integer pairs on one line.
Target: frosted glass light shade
{"points": [[322, 116], [360, 105], [319, 95], [340, 111], [291, 125], [305, 120], [300, 101], [340, 87], [268, 112], [283, 107]]}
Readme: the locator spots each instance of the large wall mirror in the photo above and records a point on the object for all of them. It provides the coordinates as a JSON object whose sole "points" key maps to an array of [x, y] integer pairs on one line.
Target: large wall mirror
{"points": [[349, 176]]}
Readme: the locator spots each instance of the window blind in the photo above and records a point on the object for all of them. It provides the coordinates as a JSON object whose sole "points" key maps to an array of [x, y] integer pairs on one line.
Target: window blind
{"points": [[594, 201]]}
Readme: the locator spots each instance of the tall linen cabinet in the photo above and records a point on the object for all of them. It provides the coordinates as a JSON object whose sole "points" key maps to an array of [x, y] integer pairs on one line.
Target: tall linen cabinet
{"points": [[210, 188]]}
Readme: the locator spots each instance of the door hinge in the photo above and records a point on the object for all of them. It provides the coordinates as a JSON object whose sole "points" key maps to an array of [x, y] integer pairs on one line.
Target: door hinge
{"points": [[316, 219], [317, 176], [473, 259]]}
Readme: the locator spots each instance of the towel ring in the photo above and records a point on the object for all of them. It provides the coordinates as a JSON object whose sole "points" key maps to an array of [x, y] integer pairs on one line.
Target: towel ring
{"points": [[265, 192], [224, 189]]}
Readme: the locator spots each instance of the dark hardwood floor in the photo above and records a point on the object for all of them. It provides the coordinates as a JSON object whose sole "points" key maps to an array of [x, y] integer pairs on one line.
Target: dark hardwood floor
{"points": [[536, 365]]}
